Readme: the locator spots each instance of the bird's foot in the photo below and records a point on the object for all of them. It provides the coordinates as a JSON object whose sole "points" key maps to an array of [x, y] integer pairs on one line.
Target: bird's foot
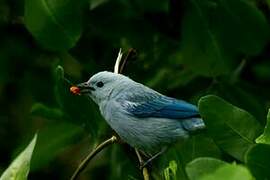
{"points": [[143, 164]]}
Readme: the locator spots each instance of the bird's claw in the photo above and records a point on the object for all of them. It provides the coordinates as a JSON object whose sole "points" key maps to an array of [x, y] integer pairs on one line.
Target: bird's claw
{"points": [[143, 164]]}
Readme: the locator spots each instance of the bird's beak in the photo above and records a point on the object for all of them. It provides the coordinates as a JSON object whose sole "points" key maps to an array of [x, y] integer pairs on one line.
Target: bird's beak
{"points": [[81, 89]]}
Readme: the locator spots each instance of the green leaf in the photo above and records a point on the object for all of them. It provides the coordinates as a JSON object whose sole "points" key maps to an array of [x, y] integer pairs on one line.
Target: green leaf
{"points": [[210, 58], [265, 137], [170, 171], [231, 172], [258, 161], [19, 168], [47, 112], [241, 95], [59, 72], [233, 129], [202, 166], [173, 154], [78, 109], [199, 145], [53, 140], [243, 27], [56, 25], [219, 31]]}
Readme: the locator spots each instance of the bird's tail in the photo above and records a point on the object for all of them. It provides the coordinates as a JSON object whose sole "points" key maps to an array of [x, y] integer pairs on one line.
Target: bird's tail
{"points": [[193, 124]]}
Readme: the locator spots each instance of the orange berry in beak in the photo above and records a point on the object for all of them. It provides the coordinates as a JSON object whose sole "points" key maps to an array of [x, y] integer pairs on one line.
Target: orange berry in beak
{"points": [[75, 90]]}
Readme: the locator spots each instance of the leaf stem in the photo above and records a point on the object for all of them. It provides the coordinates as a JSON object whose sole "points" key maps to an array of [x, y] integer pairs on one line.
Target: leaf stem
{"points": [[92, 154], [131, 53]]}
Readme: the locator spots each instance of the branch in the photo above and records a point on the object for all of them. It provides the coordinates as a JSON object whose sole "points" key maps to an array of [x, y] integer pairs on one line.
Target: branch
{"points": [[131, 53], [90, 156], [119, 67], [144, 169]]}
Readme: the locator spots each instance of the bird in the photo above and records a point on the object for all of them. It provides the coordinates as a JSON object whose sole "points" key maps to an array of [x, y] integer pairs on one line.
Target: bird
{"points": [[142, 117]]}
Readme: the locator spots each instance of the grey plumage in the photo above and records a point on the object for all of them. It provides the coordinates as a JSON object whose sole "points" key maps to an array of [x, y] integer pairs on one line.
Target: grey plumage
{"points": [[142, 117]]}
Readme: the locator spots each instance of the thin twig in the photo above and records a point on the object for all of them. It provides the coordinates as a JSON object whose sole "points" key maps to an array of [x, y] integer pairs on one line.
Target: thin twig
{"points": [[130, 54], [144, 169], [90, 156]]}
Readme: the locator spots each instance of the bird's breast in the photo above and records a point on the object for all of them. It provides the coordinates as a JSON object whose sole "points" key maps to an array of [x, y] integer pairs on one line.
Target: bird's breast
{"points": [[144, 133]]}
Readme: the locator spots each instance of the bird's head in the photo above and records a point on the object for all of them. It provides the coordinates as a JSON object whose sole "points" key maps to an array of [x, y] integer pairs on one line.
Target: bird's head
{"points": [[100, 86]]}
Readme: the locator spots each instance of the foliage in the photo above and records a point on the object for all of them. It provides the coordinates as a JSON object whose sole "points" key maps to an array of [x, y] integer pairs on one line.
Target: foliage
{"points": [[19, 168], [213, 53], [265, 137], [233, 129], [232, 172]]}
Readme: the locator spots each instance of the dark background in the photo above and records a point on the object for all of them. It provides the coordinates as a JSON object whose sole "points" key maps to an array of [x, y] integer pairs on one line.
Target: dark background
{"points": [[185, 49]]}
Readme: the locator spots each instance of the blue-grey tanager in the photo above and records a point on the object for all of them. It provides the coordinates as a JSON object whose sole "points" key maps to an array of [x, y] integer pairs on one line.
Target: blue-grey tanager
{"points": [[142, 117]]}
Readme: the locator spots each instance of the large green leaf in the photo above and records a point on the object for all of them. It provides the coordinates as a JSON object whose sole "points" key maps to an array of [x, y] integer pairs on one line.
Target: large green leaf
{"points": [[265, 137], [53, 140], [19, 168], [233, 129], [56, 25], [210, 58], [241, 26], [258, 161], [231, 172], [198, 145], [220, 30], [241, 95], [202, 166], [39, 109]]}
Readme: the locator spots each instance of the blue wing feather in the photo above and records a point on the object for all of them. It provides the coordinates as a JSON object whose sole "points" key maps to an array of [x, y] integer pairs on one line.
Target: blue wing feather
{"points": [[156, 105]]}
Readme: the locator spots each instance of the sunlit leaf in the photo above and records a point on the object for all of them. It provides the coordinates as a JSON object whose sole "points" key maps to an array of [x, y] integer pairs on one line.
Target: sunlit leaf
{"points": [[170, 171], [229, 171], [202, 166], [265, 137], [19, 168]]}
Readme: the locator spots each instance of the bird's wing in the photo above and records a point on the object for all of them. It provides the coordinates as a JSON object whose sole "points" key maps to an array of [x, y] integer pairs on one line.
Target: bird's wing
{"points": [[144, 104]]}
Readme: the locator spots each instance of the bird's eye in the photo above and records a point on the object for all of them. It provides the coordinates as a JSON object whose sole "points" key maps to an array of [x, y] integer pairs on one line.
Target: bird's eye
{"points": [[100, 84]]}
